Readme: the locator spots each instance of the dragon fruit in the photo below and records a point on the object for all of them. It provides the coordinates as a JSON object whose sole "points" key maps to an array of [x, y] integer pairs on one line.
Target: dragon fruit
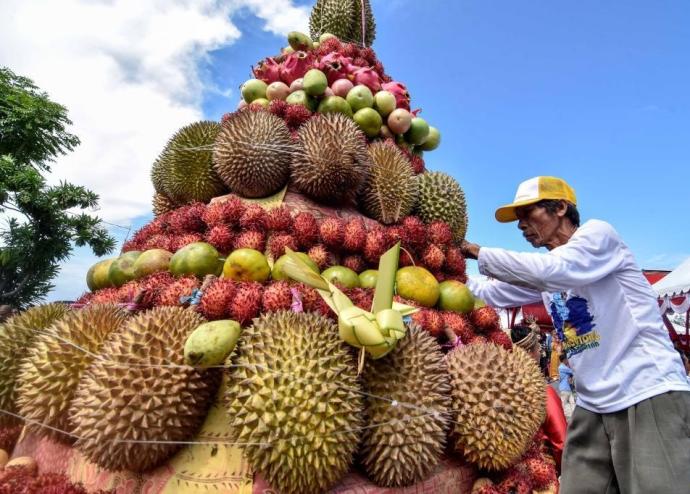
{"points": [[335, 66], [402, 97], [267, 70], [295, 66], [368, 77]]}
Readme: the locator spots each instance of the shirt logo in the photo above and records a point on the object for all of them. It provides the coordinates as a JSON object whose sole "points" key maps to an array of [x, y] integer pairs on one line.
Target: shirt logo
{"points": [[574, 323]]}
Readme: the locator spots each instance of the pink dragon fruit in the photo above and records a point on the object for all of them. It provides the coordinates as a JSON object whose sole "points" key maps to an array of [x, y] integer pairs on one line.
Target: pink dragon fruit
{"points": [[267, 70], [368, 77], [335, 66], [402, 97], [295, 65]]}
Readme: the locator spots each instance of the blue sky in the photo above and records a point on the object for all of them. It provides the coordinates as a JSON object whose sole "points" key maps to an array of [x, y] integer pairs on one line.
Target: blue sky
{"points": [[595, 92]]}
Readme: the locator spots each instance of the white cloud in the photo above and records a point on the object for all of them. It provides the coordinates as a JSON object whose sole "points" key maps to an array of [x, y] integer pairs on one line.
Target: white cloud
{"points": [[130, 74]]}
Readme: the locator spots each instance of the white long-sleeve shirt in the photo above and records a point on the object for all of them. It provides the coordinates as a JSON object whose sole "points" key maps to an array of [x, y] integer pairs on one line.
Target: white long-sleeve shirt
{"points": [[603, 308]]}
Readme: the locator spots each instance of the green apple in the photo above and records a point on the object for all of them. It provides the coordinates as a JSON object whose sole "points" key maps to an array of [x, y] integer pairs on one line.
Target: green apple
{"points": [[299, 41], [369, 121], [418, 132], [314, 82], [360, 97], [368, 278], [246, 265], [335, 104], [384, 102], [432, 141], [253, 89], [341, 276]]}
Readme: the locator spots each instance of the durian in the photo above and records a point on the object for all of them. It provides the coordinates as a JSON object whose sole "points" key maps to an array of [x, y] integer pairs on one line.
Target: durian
{"points": [[499, 397], [442, 198], [184, 170], [390, 192], [334, 163], [410, 444], [253, 153], [50, 372], [295, 401], [343, 18], [136, 405], [162, 204], [16, 337]]}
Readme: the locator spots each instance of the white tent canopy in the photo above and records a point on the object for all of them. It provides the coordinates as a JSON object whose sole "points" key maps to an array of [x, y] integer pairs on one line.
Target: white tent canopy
{"points": [[676, 283]]}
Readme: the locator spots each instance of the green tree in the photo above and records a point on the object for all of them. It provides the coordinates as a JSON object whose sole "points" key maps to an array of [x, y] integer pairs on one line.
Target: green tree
{"points": [[42, 223]]}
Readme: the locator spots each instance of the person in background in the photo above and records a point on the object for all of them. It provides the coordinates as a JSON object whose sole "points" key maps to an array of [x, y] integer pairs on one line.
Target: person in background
{"points": [[629, 431], [566, 382], [554, 426]]}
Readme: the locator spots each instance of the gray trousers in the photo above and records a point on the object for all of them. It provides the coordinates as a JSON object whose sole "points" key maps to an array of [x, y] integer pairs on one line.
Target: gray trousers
{"points": [[644, 449]]}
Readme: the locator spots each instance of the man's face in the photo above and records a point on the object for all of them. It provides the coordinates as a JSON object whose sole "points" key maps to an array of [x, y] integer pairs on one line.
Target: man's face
{"points": [[538, 226]]}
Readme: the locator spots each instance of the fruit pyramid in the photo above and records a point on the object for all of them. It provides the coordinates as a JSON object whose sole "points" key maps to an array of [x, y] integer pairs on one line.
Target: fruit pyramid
{"points": [[321, 165]]}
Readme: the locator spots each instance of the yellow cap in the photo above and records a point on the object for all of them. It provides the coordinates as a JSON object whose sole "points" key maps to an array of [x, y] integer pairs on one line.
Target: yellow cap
{"points": [[534, 190]]}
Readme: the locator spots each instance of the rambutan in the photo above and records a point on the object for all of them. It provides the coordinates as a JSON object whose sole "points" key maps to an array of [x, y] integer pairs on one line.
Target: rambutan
{"points": [[361, 297], [225, 212], [217, 298], [182, 287], [440, 233], [515, 482], [188, 219], [418, 165], [413, 232], [349, 50], [279, 219], [478, 340], [500, 338], [312, 301], [296, 115], [375, 245], [320, 255], [83, 299], [455, 261], [247, 302], [253, 218], [180, 241], [226, 117], [328, 46], [251, 239], [9, 436], [279, 241], [221, 237], [459, 324], [368, 54], [106, 296], [355, 235], [430, 320], [406, 258], [306, 230], [354, 262], [152, 286], [277, 296], [542, 473], [360, 62], [132, 244], [485, 319], [128, 292], [278, 107], [332, 231], [159, 241], [394, 235], [433, 257]]}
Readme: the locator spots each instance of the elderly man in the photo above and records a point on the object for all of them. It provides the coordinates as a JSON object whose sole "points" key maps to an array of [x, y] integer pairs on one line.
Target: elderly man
{"points": [[630, 431]]}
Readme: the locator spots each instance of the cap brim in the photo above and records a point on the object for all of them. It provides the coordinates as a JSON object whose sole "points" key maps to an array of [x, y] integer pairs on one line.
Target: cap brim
{"points": [[506, 214]]}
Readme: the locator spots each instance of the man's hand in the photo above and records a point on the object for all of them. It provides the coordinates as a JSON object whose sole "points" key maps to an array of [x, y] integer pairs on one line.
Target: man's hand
{"points": [[469, 250]]}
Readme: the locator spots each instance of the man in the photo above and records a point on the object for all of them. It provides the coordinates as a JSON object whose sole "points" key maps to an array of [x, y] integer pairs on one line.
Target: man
{"points": [[565, 385], [630, 431]]}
